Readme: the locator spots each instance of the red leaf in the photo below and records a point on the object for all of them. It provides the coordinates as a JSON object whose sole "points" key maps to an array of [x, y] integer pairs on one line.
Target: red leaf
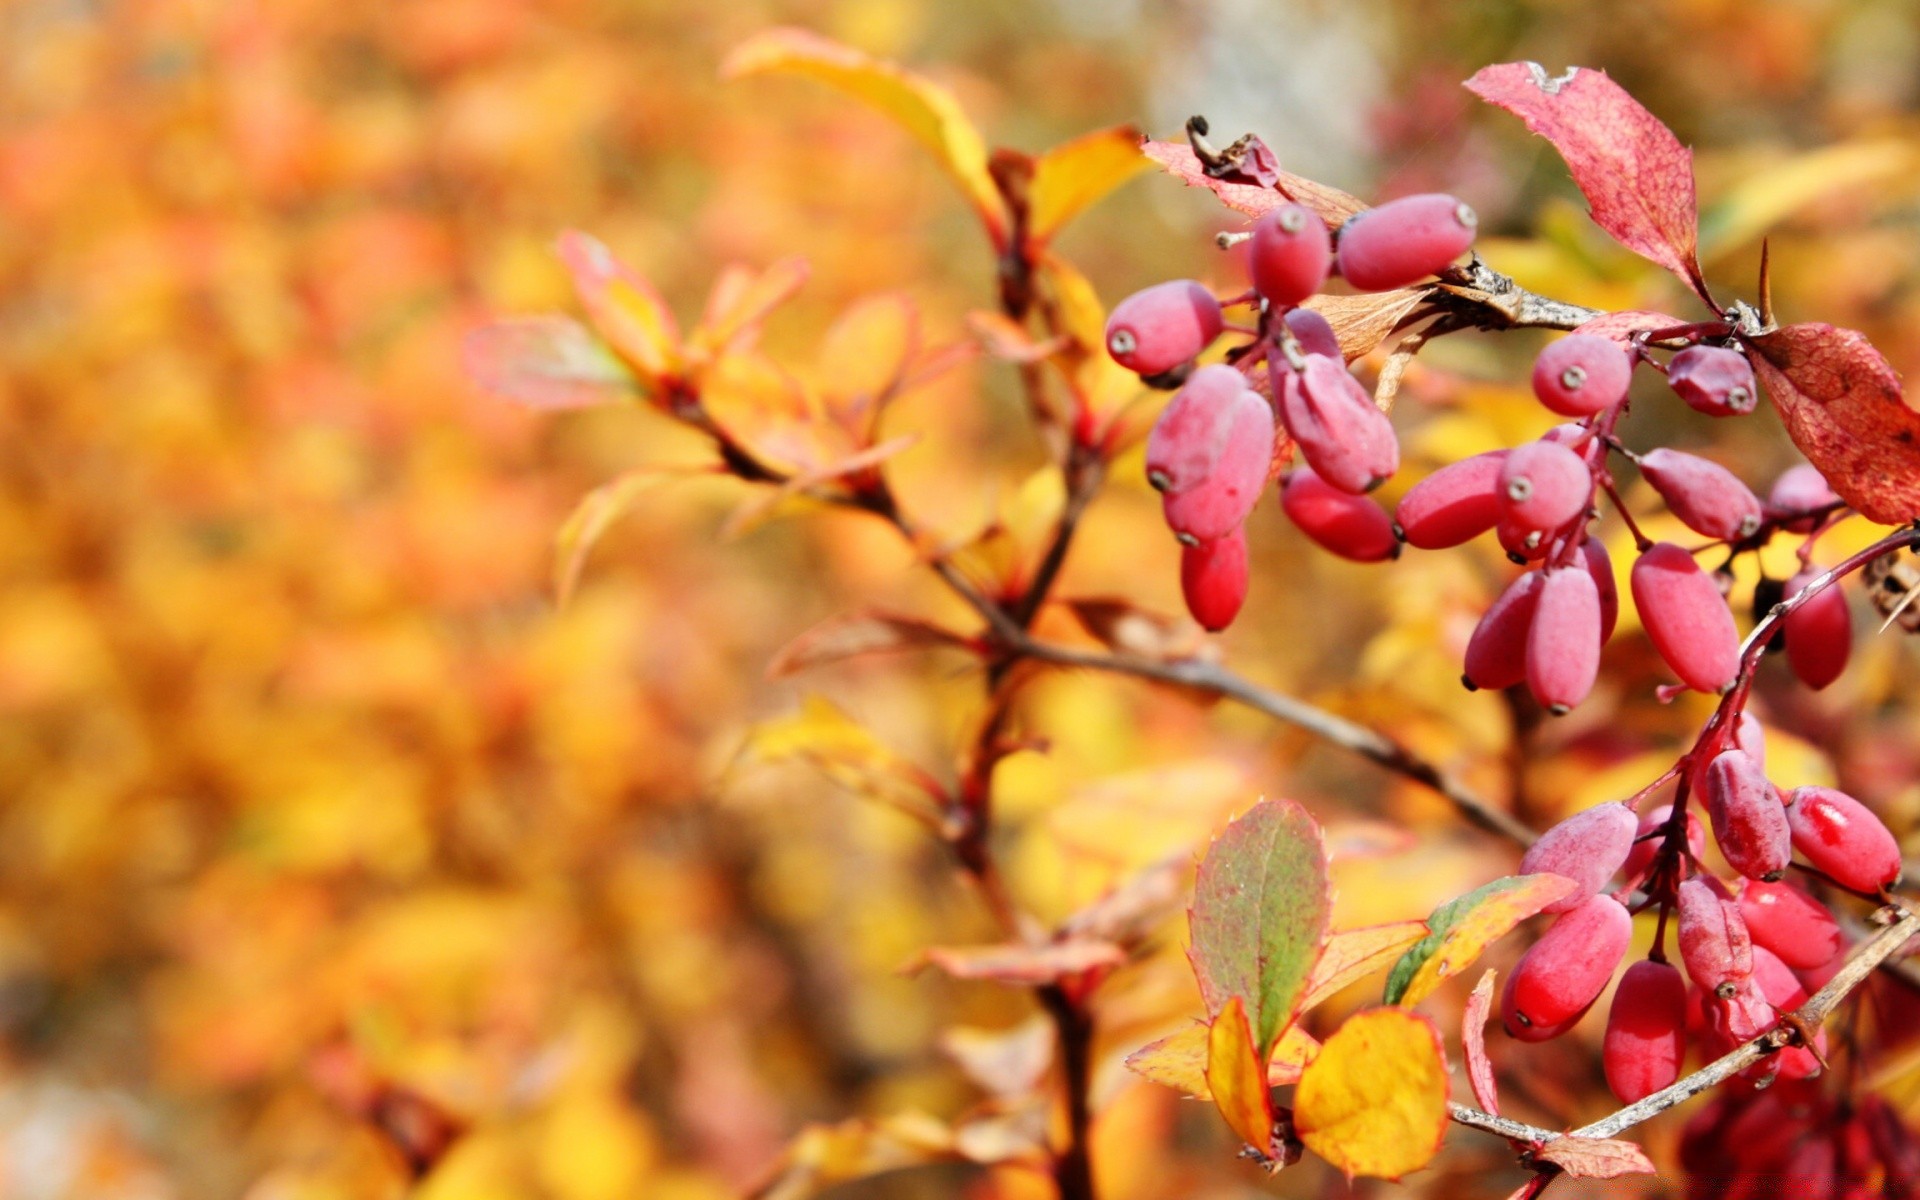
{"points": [[1595, 1158], [1473, 1039], [1179, 160], [1842, 406], [1621, 326], [1636, 176]]}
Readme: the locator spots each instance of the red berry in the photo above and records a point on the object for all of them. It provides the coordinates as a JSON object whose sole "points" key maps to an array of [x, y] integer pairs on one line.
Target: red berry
{"points": [[1582, 374], [1587, 848], [1600, 566], [1562, 974], [1213, 578], [1748, 821], [1790, 923], [1843, 839], [1647, 836], [1191, 434], [1714, 942], [1218, 504], [1341, 433], [1543, 485], [1708, 498], [1497, 651], [1646, 1038], [1521, 544], [1750, 737], [1686, 617], [1819, 633], [1348, 525], [1455, 504], [1162, 327], [1290, 254], [1563, 642], [1799, 489], [1714, 380], [1314, 333], [1403, 241]]}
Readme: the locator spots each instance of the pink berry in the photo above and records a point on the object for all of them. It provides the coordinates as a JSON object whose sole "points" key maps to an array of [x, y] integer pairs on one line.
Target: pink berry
{"points": [[1162, 327], [1213, 578], [1191, 434], [1563, 642], [1748, 821], [1750, 737], [1843, 839], [1714, 380], [1348, 525], [1522, 545], [1800, 489], [1708, 498], [1587, 848], [1819, 632], [1453, 505], [1600, 566], [1686, 617], [1497, 651], [1647, 836], [1582, 374], [1218, 504], [1403, 241], [1314, 333], [1790, 923], [1561, 975], [1341, 433], [1646, 1038], [1543, 485], [1714, 942], [1290, 254]]}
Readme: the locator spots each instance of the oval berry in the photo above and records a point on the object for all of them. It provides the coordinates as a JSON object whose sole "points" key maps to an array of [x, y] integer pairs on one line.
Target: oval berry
{"points": [[1213, 579], [1686, 618], [1582, 374], [1350, 526], [1455, 504], [1708, 498], [1562, 974], [1714, 380], [1800, 489], [1403, 241], [1714, 942], [1819, 633], [1843, 839], [1600, 566], [1497, 651], [1219, 503], [1790, 923], [1289, 255], [1647, 836], [1341, 433], [1187, 441], [1162, 327], [1543, 485], [1587, 847], [1563, 642], [1314, 333], [1748, 820], [1646, 1038]]}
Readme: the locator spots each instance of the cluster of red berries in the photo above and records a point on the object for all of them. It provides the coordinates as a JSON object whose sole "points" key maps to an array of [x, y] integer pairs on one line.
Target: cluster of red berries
{"points": [[1751, 954], [1213, 451], [1794, 1139]]}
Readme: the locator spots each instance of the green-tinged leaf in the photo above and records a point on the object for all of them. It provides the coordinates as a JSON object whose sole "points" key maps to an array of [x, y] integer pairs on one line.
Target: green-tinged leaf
{"points": [[1595, 1158], [1355, 954], [1237, 1079], [1075, 175], [1464, 927], [921, 107], [1374, 1102], [1259, 916], [596, 513], [547, 362]]}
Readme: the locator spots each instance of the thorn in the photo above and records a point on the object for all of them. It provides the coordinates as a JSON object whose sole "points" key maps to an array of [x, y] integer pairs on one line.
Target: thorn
{"points": [[1766, 285]]}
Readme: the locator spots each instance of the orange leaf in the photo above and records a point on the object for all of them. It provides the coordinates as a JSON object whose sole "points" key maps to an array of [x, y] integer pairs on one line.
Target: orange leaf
{"points": [[1364, 321], [1465, 927], [1020, 964], [921, 107], [1357, 953], [1179, 1060], [1234, 1074], [1473, 1040], [1374, 1102], [1077, 174], [856, 635], [1595, 1158], [544, 363], [623, 307], [741, 300]]}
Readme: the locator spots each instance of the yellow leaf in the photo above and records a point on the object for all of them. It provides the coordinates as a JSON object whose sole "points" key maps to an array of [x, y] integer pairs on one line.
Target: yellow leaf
{"points": [[825, 1155], [1776, 192], [1233, 1073], [921, 107], [594, 1147], [1465, 927], [1179, 1061], [849, 754], [865, 353], [1375, 1100], [1077, 174]]}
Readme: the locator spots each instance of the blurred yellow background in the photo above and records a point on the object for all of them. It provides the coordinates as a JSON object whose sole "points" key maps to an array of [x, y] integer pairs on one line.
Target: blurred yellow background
{"points": [[326, 838]]}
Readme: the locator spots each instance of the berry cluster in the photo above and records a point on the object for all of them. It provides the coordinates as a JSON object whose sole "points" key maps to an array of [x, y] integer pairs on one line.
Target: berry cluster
{"points": [[1213, 449], [1801, 1141]]}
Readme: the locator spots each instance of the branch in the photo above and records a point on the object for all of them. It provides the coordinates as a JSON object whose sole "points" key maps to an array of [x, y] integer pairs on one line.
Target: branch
{"points": [[1367, 743]]}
